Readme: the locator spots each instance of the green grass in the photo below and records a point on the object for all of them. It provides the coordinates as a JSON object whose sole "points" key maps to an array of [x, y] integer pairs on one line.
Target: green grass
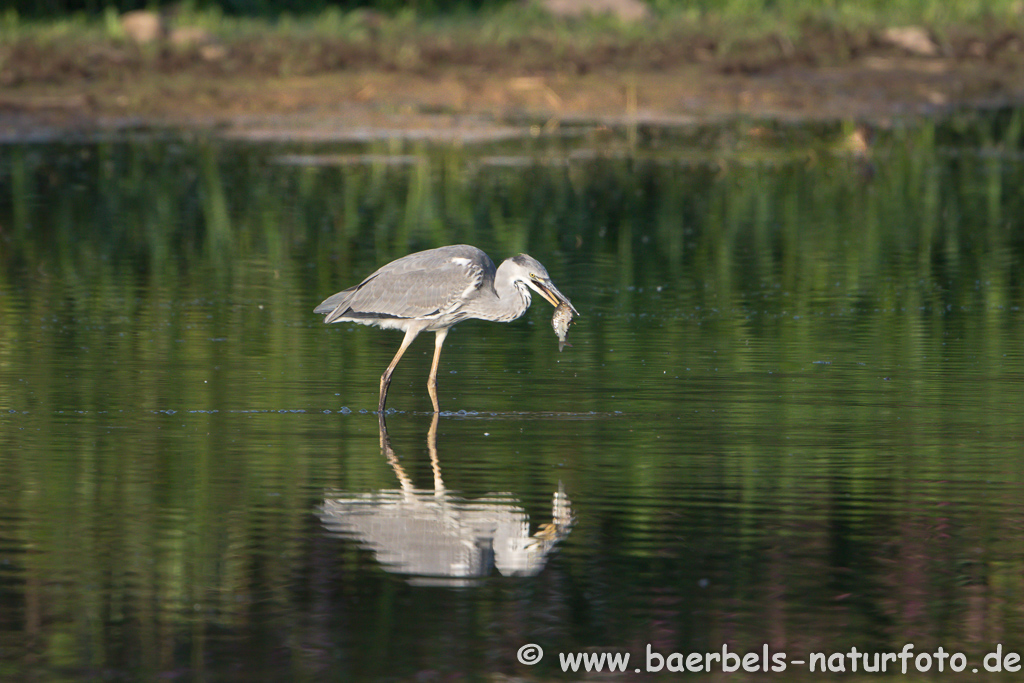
{"points": [[737, 18]]}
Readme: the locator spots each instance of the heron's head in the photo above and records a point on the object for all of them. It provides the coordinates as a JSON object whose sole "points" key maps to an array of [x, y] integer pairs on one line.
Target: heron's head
{"points": [[533, 274]]}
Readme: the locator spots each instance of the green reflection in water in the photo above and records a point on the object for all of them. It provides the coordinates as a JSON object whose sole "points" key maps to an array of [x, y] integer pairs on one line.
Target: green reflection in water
{"points": [[791, 413]]}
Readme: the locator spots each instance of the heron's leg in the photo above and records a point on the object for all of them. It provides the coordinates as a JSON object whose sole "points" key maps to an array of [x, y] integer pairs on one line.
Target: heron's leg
{"points": [[432, 382], [435, 464], [385, 379]]}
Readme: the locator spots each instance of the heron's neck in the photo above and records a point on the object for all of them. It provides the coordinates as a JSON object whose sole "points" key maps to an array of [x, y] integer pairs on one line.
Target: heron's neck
{"points": [[513, 298]]}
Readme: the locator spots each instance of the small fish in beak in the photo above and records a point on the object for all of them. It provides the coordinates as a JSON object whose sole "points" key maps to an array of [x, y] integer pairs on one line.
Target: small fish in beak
{"points": [[560, 322]]}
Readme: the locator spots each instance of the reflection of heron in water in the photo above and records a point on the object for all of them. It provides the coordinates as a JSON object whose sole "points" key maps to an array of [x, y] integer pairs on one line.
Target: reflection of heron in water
{"points": [[441, 537]]}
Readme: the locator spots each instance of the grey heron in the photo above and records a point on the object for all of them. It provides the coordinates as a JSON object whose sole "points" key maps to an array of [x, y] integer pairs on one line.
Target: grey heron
{"points": [[434, 289]]}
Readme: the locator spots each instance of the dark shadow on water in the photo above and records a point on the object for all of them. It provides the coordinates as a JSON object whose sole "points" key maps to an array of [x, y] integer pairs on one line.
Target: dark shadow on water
{"points": [[438, 538]]}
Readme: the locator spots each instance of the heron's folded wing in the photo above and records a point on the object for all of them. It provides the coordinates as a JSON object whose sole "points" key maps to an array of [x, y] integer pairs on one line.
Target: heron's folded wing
{"points": [[428, 285]]}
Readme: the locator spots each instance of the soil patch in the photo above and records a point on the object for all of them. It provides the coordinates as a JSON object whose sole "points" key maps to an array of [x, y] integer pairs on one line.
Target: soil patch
{"points": [[324, 88]]}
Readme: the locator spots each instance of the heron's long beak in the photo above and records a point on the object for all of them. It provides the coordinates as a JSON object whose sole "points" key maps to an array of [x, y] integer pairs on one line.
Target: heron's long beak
{"points": [[551, 294]]}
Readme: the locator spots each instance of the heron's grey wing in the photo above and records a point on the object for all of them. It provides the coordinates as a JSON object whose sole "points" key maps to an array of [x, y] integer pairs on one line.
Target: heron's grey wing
{"points": [[421, 285]]}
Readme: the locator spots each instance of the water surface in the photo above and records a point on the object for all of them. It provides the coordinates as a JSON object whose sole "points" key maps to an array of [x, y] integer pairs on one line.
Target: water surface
{"points": [[790, 415]]}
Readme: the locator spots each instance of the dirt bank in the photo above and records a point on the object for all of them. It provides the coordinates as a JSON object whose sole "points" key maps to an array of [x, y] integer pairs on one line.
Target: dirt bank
{"points": [[323, 88]]}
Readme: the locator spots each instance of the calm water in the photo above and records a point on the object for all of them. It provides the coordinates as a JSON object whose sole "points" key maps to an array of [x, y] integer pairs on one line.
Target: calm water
{"points": [[791, 415]]}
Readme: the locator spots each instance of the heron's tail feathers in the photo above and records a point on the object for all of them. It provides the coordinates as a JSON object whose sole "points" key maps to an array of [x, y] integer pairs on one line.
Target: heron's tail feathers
{"points": [[332, 304]]}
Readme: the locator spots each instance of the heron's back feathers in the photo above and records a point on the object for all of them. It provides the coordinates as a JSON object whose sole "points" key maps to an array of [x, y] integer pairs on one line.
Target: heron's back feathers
{"points": [[432, 285]]}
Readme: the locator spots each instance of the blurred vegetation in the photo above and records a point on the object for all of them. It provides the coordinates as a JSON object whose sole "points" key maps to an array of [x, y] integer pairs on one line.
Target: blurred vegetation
{"points": [[818, 354], [487, 20], [247, 7], [905, 10], [46, 44]]}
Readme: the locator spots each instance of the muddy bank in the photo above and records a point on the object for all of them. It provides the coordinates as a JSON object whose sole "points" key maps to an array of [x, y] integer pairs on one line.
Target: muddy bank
{"points": [[324, 89]]}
